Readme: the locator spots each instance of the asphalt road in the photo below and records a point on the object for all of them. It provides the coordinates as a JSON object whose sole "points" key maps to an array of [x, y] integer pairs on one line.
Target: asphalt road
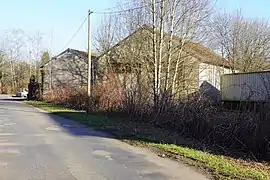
{"points": [[37, 146]]}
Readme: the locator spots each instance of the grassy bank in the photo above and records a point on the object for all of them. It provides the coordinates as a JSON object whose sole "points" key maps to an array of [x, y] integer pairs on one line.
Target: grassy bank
{"points": [[219, 166]]}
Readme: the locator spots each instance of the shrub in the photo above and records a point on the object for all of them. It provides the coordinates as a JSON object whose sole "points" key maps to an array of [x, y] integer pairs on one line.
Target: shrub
{"points": [[196, 117]]}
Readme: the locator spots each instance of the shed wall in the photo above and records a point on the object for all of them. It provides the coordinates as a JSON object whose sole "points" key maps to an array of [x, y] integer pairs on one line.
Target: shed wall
{"points": [[254, 87]]}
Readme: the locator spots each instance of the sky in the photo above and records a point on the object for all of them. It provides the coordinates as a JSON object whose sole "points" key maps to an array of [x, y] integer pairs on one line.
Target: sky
{"points": [[58, 20], [249, 8]]}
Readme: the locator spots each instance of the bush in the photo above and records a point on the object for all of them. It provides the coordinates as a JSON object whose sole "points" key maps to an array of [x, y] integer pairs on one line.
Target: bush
{"points": [[71, 98], [110, 94], [196, 117]]}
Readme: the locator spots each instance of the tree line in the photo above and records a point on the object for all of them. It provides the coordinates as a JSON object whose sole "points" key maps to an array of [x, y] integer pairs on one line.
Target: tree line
{"points": [[20, 58], [243, 42]]}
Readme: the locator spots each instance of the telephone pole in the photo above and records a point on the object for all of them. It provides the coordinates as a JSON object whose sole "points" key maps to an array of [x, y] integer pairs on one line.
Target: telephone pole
{"points": [[89, 79]]}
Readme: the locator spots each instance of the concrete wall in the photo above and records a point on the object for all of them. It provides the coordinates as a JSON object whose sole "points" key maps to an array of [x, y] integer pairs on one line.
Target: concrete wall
{"points": [[211, 74]]}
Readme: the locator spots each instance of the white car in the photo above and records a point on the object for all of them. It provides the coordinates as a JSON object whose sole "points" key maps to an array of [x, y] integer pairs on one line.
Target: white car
{"points": [[22, 94]]}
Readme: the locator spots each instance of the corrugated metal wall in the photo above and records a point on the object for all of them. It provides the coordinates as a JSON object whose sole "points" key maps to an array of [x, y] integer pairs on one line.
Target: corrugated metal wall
{"points": [[253, 87]]}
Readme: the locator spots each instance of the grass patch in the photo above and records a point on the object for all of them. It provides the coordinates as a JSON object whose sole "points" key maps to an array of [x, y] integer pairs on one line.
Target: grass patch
{"points": [[221, 167]]}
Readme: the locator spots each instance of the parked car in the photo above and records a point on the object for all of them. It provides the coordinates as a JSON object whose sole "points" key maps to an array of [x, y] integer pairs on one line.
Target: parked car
{"points": [[22, 93]]}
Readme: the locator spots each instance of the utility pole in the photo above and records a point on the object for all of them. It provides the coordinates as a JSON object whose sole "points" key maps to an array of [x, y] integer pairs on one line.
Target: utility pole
{"points": [[30, 55], [89, 79]]}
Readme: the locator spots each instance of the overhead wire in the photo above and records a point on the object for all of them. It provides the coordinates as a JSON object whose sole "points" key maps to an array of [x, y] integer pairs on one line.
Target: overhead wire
{"points": [[114, 7], [122, 11], [104, 12], [83, 22], [75, 33], [118, 12]]}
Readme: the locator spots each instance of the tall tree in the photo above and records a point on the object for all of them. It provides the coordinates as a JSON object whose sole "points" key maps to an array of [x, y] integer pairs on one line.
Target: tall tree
{"points": [[160, 48], [244, 42], [14, 66]]}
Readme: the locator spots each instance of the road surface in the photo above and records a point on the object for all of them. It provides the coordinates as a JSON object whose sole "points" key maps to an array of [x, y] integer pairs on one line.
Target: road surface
{"points": [[37, 146]]}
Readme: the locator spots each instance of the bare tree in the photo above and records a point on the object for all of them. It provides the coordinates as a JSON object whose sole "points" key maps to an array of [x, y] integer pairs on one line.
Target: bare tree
{"points": [[244, 42], [105, 35], [13, 45], [35, 51], [155, 83], [179, 23], [15, 50], [2, 63], [168, 28]]}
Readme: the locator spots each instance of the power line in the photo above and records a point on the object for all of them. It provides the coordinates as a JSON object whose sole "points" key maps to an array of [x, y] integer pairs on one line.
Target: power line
{"points": [[100, 12], [109, 12], [114, 7], [71, 37], [117, 12], [75, 33], [126, 10]]}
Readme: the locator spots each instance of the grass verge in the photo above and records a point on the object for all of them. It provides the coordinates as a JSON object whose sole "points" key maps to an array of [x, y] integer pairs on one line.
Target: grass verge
{"points": [[219, 166]]}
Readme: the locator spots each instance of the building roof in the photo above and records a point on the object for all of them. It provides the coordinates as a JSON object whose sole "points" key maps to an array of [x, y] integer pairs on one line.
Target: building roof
{"points": [[200, 52], [205, 55], [81, 54]]}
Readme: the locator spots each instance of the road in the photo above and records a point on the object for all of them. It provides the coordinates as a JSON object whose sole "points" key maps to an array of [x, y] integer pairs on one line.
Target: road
{"points": [[37, 146]]}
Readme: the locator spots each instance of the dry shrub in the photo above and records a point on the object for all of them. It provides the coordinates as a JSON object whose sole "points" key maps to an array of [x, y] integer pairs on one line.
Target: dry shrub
{"points": [[196, 117], [109, 93], [241, 130], [69, 97], [5, 90], [244, 131], [106, 96], [189, 116], [137, 105]]}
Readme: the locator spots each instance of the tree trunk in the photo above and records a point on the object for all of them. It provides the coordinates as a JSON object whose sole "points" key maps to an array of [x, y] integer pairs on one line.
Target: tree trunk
{"points": [[167, 80], [155, 77]]}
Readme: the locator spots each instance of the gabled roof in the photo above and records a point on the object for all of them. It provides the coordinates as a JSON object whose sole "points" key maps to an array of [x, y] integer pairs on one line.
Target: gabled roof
{"points": [[200, 52], [78, 53], [143, 27], [205, 55]]}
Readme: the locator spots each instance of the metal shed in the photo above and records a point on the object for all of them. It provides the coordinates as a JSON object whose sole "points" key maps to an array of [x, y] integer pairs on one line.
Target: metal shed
{"points": [[247, 87]]}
